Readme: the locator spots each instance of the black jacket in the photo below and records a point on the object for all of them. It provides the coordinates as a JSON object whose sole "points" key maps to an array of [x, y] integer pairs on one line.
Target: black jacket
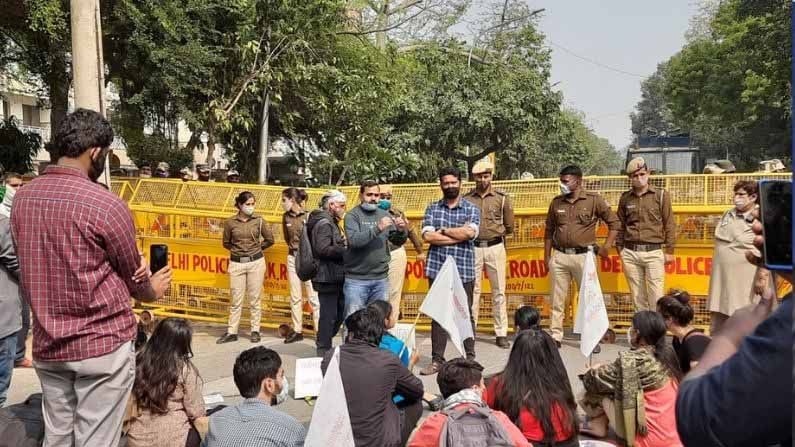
{"points": [[370, 377], [328, 247]]}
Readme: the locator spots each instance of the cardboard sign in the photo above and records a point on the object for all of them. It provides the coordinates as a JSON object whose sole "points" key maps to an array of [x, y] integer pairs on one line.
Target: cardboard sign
{"points": [[404, 332]]}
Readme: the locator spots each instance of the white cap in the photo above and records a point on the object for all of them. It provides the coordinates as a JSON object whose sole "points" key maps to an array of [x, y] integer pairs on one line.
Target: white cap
{"points": [[336, 195]]}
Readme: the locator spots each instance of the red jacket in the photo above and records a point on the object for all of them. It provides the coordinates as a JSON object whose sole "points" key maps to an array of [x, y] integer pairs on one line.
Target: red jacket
{"points": [[427, 435]]}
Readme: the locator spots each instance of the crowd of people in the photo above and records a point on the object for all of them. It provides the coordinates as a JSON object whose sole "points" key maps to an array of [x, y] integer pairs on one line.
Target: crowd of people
{"points": [[68, 250]]}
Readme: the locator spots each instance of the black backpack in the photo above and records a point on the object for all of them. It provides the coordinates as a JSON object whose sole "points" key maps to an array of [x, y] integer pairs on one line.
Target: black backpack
{"points": [[305, 263]]}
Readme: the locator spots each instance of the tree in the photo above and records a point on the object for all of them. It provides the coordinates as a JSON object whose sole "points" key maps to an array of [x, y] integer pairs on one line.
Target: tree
{"points": [[17, 148], [651, 115]]}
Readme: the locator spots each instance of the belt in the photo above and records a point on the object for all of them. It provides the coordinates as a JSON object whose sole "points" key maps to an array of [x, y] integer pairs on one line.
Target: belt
{"points": [[490, 243], [244, 259], [642, 247], [575, 251], [292, 252]]}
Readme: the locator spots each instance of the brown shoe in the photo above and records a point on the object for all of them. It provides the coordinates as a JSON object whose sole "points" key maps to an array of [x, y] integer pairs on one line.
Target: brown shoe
{"points": [[503, 343], [430, 370], [24, 363]]}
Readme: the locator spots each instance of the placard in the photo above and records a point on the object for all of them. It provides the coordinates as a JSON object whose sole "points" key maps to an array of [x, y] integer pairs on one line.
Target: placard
{"points": [[308, 377]]}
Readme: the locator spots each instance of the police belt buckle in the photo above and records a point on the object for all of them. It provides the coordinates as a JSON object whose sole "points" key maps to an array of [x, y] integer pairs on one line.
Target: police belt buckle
{"points": [[641, 247], [570, 251], [483, 244], [244, 259]]}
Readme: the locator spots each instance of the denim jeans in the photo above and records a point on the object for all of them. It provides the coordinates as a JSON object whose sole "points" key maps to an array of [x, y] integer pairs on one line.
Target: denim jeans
{"points": [[22, 335], [8, 351], [361, 292]]}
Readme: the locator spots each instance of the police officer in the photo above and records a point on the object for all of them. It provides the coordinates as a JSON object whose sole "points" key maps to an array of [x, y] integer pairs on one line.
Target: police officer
{"points": [[162, 170], [203, 172], [647, 236], [496, 222], [571, 231], [232, 176], [186, 174]]}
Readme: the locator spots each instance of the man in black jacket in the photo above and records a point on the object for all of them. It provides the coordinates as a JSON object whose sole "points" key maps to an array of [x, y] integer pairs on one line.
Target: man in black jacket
{"points": [[328, 247], [370, 377]]}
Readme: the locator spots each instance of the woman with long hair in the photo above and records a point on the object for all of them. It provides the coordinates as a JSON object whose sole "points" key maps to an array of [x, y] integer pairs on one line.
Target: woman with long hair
{"points": [[293, 219], [636, 394], [167, 392], [246, 236], [534, 391], [689, 343]]}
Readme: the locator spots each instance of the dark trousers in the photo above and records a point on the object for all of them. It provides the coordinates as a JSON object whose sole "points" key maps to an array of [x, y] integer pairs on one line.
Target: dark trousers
{"points": [[332, 314], [410, 414], [22, 335], [439, 335]]}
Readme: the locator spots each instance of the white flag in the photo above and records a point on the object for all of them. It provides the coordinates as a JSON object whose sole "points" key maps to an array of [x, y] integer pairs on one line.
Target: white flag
{"points": [[447, 304], [591, 320], [331, 424]]}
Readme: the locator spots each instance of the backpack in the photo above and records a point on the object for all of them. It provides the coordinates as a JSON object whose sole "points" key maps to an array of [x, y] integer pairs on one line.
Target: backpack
{"points": [[473, 426], [306, 264], [22, 425]]}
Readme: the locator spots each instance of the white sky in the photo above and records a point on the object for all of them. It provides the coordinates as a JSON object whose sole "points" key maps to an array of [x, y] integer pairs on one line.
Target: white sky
{"points": [[632, 36]]}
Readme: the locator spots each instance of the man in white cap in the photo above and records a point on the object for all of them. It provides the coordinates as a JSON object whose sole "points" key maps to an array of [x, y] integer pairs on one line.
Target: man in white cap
{"points": [[496, 222], [162, 170], [232, 176], [647, 236]]}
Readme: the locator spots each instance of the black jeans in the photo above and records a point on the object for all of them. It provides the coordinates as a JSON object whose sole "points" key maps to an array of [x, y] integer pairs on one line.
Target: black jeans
{"points": [[22, 335], [332, 314], [439, 335], [410, 414]]}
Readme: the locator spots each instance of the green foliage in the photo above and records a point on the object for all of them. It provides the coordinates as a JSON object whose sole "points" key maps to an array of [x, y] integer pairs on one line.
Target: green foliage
{"points": [[17, 148], [652, 116]]}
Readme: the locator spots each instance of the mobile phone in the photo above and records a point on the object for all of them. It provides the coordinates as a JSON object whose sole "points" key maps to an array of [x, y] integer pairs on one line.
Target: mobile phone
{"points": [[158, 257], [775, 210]]}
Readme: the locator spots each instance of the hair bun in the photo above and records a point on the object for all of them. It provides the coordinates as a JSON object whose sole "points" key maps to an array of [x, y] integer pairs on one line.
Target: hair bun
{"points": [[681, 296]]}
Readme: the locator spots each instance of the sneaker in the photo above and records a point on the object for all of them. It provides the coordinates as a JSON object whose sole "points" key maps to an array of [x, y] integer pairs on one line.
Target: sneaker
{"points": [[24, 363], [255, 338], [226, 338], [503, 343], [430, 370], [294, 337], [436, 404]]}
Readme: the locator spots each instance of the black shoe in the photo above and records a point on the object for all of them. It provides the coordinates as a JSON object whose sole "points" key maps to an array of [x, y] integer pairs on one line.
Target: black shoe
{"points": [[430, 370], [436, 404], [503, 343], [557, 343], [226, 338], [597, 349], [255, 338], [294, 337]]}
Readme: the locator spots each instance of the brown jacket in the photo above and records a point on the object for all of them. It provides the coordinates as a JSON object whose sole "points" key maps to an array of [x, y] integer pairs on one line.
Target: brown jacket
{"points": [[496, 213], [571, 221], [647, 219], [247, 238]]}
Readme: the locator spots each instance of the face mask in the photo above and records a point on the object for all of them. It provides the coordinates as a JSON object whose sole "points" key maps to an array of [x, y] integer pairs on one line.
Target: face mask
{"points": [[287, 205], [367, 206], [564, 189], [384, 204], [451, 193], [97, 166], [247, 210], [640, 182], [740, 203], [284, 393]]}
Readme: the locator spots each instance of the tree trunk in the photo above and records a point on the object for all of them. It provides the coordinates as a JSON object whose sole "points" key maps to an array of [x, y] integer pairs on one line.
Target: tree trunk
{"points": [[58, 85], [264, 140], [381, 22]]}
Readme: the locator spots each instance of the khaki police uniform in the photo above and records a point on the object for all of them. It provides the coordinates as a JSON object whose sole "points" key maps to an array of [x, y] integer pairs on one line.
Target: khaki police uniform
{"points": [[571, 226], [496, 222], [292, 226], [397, 264], [648, 232]]}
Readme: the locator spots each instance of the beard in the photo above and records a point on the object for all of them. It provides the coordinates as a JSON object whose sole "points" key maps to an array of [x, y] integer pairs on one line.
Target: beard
{"points": [[97, 167]]}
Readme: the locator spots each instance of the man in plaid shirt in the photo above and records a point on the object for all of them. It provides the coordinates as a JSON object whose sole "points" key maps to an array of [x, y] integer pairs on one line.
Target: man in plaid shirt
{"points": [[79, 265], [450, 225]]}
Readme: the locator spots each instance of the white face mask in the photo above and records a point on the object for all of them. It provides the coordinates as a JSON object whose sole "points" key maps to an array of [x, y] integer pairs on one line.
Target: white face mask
{"points": [[247, 209], [564, 189], [287, 205], [284, 393], [740, 203]]}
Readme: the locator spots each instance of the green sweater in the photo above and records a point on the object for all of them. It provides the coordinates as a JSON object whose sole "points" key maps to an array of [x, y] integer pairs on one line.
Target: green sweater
{"points": [[368, 254]]}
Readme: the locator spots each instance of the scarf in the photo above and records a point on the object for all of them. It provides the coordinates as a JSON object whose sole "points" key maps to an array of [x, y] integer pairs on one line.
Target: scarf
{"points": [[465, 396], [623, 381]]}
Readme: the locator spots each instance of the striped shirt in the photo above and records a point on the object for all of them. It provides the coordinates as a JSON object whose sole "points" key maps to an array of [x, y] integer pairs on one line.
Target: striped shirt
{"points": [[77, 255], [439, 215], [254, 423]]}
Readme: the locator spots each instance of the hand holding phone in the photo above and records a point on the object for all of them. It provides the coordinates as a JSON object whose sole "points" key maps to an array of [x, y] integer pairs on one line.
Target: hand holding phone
{"points": [[158, 257], [775, 210]]}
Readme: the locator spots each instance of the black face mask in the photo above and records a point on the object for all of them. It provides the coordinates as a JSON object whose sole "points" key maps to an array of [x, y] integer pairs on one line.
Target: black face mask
{"points": [[451, 193], [97, 167]]}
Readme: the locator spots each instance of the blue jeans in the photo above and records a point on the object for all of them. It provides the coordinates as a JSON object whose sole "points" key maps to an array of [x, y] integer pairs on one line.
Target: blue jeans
{"points": [[361, 292], [8, 351]]}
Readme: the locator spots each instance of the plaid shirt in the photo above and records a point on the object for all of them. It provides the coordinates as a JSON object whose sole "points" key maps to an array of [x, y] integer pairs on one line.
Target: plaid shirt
{"points": [[254, 423], [77, 254], [439, 215]]}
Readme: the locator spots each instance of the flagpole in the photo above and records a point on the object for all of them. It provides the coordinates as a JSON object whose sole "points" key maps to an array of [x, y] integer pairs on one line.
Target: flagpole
{"points": [[411, 331]]}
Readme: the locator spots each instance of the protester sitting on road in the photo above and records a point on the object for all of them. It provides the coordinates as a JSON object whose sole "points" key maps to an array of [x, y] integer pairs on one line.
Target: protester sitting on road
{"points": [[689, 343], [167, 394], [328, 249], [752, 357], [534, 391], [636, 393], [526, 317], [259, 376], [370, 377], [393, 344], [461, 383]]}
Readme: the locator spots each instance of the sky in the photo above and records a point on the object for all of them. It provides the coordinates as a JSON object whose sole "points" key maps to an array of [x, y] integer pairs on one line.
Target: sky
{"points": [[630, 36]]}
